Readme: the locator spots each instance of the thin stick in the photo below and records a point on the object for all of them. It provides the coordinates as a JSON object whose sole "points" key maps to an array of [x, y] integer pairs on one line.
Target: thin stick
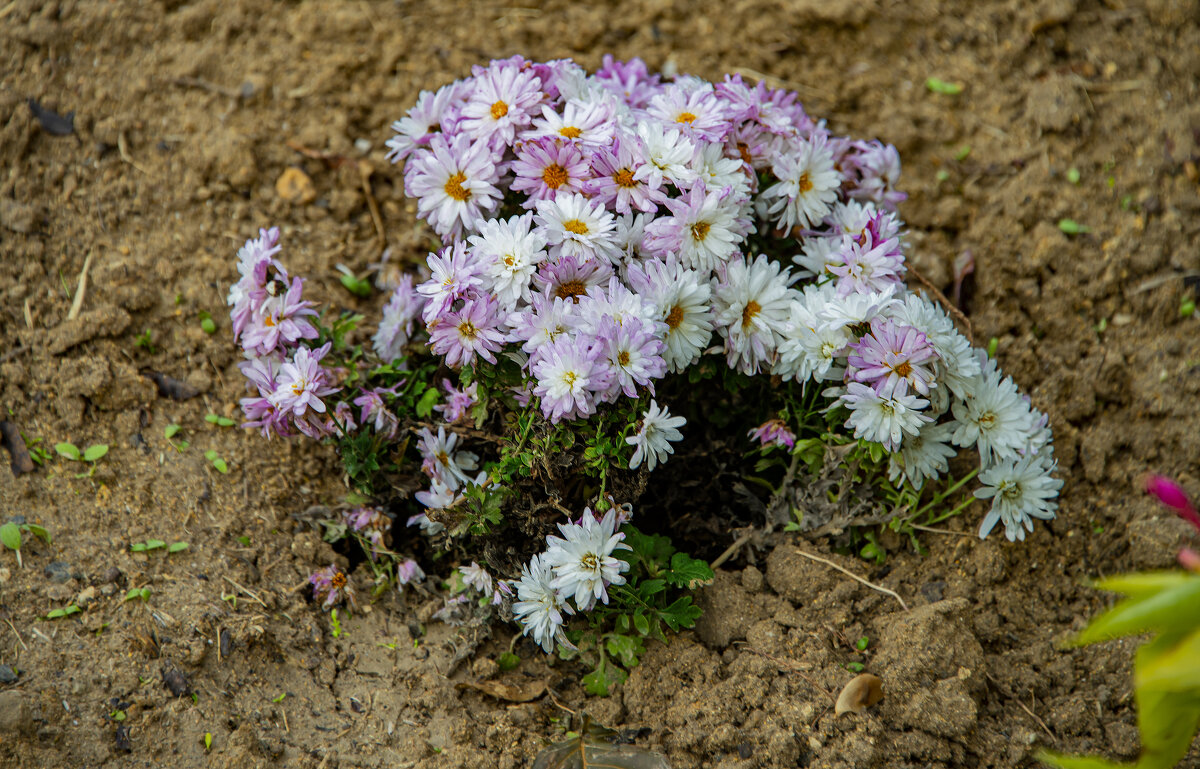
{"points": [[940, 531], [730, 551], [364, 172], [28, 314], [285, 723], [955, 313], [18, 635], [124, 151], [854, 576], [1034, 716], [1156, 282], [247, 591], [80, 289], [205, 85]]}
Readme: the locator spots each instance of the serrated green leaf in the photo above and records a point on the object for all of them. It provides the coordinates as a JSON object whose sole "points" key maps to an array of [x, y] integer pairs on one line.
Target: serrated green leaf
{"points": [[1175, 609], [177, 547], [689, 572], [596, 684], [681, 614], [625, 648], [649, 587], [94, 452], [68, 450], [10, 536]]}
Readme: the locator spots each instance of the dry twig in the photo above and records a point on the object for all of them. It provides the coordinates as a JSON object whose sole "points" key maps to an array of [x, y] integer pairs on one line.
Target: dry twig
{"points": [[249, 593], [854, 576], [80, 289]]}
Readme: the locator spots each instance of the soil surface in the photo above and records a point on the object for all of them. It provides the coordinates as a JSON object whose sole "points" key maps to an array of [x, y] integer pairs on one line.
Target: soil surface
{"points": [[185, 115]]}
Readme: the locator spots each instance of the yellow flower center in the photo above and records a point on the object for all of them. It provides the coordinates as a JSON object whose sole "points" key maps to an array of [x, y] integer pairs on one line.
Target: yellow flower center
{"points": [[499, 110], [803, 184], [509, 260], [623, 358], [570, 131], [455, 189], [467, 329], [700, 230], [675, 317], [751, 311], [903, 370], [555, 176], [338, 581], [590, 561], [570, 378], [576, 226], [685, 117], [624, 178]]}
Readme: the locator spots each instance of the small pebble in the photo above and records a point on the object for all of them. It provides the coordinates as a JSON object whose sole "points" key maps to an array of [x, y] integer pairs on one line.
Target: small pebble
{"points": [[57, 571], [362, 145], [295, 186], [7, 674]]}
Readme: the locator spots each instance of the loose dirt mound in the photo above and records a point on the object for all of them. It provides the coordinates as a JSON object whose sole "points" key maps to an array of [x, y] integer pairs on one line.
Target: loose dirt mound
{"points": [[186, 115]]}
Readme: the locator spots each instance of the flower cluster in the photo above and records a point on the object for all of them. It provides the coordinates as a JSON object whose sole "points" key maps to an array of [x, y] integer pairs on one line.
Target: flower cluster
{"points": [[272, 321], [602, 229]]}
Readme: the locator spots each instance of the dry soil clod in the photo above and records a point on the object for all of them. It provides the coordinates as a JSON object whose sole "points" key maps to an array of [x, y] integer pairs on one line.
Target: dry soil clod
{"points": [[862, 692]]}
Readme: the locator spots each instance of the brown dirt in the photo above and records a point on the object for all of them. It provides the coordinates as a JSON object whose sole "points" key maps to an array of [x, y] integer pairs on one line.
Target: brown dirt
{"points": [[183, 111]]}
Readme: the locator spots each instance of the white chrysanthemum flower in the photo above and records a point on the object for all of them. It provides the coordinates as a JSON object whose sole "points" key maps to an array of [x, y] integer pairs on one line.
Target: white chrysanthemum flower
{"points": [[582, 559], [680, 300], [855, 309], [1020, 490], [849, 218], [669, 155], [511, 253], [631, 231], [719, 172], [751, 303], [576, 226], [807, 186], [957, 365], [883, 420], [477, 577], [810, 348], [441, 461], [817, 255], [653, 439], [993, 417], [539, 607], [923, 456]]}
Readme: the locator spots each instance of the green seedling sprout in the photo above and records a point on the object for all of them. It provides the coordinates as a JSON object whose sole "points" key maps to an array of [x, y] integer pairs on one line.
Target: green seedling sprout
{"points": [[1073, 175], [92, 454], [207, 741], [219, 421], [66, 611], [335, 624], [354, 284], [207, 324], [937, 85], [963, 153], [1072, 227], [145, 341], [10, 536], [1187, 307], [158, 544], [212, 456], [169, 432], [138, 592]]}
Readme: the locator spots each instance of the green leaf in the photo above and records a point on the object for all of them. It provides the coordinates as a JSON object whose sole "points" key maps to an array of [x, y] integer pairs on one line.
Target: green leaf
{"points": [[1177, 669], [937, 85], [1143, 585], [861, 644], [133, 593], [138, 547], [94, 452], [689, 572], [1079, 762], [1166, 720], [1175, 609], [220, 465], [68, 450], [428, 400], [211, 454], [641, 623], [208, 326], [10, 536], [56, 613], [177, 547], [508, 661], [650, 587], [1072, 227], [625, 648], [171, 430], [599, 681], [355, 285], [37, 531], [681, 614], [154, 544]]}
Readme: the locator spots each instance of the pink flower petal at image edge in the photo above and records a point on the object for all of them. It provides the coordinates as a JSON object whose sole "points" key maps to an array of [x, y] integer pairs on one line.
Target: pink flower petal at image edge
{"points": [[1173, 496]]}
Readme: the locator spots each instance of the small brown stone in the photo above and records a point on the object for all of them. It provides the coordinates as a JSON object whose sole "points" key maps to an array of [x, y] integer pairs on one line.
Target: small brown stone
{"points": [[296, 187]]}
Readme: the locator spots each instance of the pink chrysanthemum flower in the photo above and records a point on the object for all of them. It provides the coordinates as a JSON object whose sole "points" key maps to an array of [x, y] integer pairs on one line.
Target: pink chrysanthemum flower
{"points": [[396, 326], [774, 432], [578, 227], [501, 100], [545, 168], [331, 587], [571, 277], [422, 121], [453, 273], [703, 230], [454, 182], [568, 375], [299, 387], [588, 125], [458, 402], [698, 113], [615, 179], [472, 331], [374, 411], [893, 359], [280, 319]]}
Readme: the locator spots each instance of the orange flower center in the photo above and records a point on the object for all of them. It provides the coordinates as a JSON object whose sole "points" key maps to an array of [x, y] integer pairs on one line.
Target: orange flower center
{"points": [[700, 230], [624, 178], [572, 289], [623, 358], [751, 311], [675, 317], [803, 184], [338, 581], [467, 329], [904, 369], [685, 117], [554, 176], [575, 226], [570, 131], [455, 189], [499, 110]]}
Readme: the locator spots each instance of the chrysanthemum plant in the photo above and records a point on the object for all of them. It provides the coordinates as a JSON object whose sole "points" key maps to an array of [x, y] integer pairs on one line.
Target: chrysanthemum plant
{"points": [[621, 256], [1166, 669]]}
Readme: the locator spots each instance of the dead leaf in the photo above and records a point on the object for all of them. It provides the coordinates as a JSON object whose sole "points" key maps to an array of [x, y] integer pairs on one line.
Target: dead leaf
{"points": [[862, 692], [591, 750], [508, 692]]}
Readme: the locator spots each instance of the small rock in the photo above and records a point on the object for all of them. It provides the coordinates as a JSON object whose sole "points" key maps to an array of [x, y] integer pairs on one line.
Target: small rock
{"points": [[7, 674], [58, 572], [15, 715], [728, 611], [85, 597], [175, 680], [111, 575], [752, 579], [295, 186], [934, 591]]}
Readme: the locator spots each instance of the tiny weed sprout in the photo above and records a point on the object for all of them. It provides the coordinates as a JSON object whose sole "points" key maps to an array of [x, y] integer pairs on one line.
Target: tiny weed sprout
{"points": [[219, 421], [66, 611], [212, 456], [1073, 175], [138, 592], [207, 324], [145, 341], [1166, 667], [91, 455], [631, 269], [1072, 227], [169, 432]]}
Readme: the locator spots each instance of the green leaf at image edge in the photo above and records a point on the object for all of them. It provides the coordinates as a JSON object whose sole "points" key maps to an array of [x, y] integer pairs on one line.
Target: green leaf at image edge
{"points": [[1079, 762], [10, 536]]}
